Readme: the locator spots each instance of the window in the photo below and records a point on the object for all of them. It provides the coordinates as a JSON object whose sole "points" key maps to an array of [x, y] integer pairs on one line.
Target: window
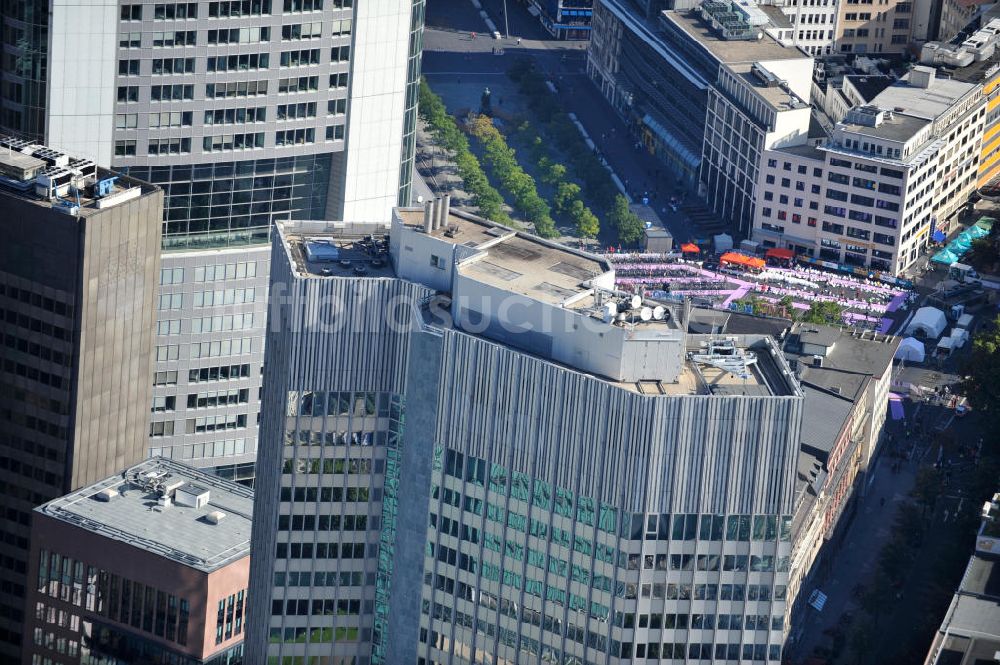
{"points": [[236, 89], [766, 212], [296, 6], [128, 93], [164, 403], [302, 31], [341, 27], [336, 107], [769, 179], [168, 327], [836, 194], [239, 63], [234, 8], [235, 116], [131, 12], [340, 54], [130, 40], [126, 121], [124, 148], [300, 58], [177, 38], [128, 67], [166, 93], [170, 301], [180, 10], [169, 146], [161, 428], [173, 66], [171, 119], [239, 36], [300, 84], [295, 137], [901, 24]]}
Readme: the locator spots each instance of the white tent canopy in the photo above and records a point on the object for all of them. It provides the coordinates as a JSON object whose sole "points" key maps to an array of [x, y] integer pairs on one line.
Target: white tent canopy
{"points": [[723, 242], [911, 350], [927, 323]]}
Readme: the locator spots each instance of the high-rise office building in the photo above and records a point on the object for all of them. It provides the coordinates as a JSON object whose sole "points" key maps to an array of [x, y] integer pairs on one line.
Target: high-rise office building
{"points": [[147, 566], [705, 91], [243, 111], [475, 450], [78, 268], [893, 172]]}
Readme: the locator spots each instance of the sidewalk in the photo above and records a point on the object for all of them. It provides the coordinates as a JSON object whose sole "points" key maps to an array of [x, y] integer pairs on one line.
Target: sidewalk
{"points": [[856, 560]]}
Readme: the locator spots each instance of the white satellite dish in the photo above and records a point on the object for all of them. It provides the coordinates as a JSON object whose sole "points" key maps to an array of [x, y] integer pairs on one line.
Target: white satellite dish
{"points": [[610, 310], [636, 302], [659, 312], [646, 314]]}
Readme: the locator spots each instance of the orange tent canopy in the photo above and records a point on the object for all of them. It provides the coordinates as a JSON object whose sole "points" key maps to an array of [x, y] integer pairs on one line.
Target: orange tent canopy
{"points": [[690, 248], [742, 260], [780, 253]]}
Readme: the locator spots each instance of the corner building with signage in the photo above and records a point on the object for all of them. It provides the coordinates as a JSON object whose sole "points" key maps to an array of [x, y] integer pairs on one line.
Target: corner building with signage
{"points": [[468, 457]]}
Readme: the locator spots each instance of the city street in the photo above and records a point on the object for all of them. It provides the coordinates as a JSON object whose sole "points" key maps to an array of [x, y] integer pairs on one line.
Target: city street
{"points": [[458, 67]]}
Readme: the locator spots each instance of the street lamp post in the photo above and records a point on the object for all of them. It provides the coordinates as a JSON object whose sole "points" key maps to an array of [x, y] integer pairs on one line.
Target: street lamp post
{"points": [[506, 21]]}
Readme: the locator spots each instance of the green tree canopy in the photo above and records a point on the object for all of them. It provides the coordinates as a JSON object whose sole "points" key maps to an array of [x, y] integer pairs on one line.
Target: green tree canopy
{"points": [[626, 222], [825, 311], [587, 225], [982, 369]]}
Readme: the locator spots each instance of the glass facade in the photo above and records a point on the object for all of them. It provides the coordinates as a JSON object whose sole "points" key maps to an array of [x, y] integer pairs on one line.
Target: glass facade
{"points": [[230, 204], [518, 569], [416, 48], [341, 451], [23, 68]]}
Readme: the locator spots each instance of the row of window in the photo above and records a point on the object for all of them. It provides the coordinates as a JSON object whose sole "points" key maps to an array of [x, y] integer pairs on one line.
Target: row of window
{"points": [[323, 551], [117, 598], [185, 92], [303, 466], [224, 9], [229, 617]]}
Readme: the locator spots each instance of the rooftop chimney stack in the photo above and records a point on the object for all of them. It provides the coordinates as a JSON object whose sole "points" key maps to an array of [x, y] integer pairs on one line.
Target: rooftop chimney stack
{"points": [[436, 214], [428, 216], [445, 210]]}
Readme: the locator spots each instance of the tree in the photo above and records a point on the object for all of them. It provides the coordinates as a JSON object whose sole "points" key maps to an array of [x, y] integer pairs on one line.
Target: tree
{"points": [[552, 173], [587, 225], [861, 642], [927, 488], [567, 193], [982, 370], [825, 311], [985, 252], [626, 222], [448, 135]]}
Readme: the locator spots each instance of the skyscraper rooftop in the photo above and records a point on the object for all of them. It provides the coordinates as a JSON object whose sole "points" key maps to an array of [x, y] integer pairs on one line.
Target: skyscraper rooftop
{"points": [[166, 508], [547, 299]]}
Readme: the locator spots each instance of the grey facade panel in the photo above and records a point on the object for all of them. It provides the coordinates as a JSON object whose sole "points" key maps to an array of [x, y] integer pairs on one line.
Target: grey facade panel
{"points": [[682, 454]]}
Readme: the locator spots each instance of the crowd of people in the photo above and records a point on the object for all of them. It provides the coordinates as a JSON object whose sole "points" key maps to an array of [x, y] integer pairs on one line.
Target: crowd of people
{"points": [[866, 301]]}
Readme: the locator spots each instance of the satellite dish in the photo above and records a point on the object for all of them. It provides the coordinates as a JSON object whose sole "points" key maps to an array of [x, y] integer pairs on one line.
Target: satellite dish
{"points": [[636, 302], [659, 312], [646, 314], [610, 310]]}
